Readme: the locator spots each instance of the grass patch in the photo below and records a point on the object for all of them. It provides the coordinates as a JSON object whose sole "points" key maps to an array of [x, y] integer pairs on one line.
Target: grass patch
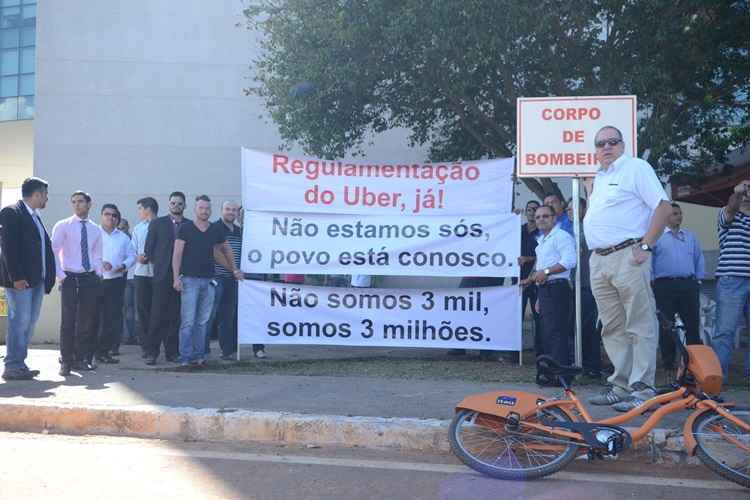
{"points": [[468, 369]]}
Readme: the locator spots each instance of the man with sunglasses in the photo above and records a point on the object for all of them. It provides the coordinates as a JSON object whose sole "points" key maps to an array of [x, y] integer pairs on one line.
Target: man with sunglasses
{"points": [[118, 256], [628, 211], [555, 257], [164, 323]]}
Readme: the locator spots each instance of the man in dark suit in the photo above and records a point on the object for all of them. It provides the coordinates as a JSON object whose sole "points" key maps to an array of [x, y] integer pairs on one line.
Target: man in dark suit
{"points": [[27, 272], [165, 306]]}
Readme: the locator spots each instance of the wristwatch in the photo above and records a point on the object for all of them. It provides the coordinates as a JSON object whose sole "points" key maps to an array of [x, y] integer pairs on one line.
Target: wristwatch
{"points": [[646, 248], [546, 272]]}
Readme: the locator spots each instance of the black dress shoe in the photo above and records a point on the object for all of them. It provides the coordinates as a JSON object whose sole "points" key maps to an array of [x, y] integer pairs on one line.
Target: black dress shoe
{"points": [[107, 359], [151, 360], [33, 373], [64, 369], [114, 352], [173, 358], [18, 375]]}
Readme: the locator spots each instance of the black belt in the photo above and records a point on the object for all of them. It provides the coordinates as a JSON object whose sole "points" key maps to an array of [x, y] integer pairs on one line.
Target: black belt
{"points": [[558, 281], [619, 246], [675, 278], [80, 275]]}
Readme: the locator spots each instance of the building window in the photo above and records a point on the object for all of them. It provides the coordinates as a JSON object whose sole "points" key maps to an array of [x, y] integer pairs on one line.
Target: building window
{"points": [[17, 59]]}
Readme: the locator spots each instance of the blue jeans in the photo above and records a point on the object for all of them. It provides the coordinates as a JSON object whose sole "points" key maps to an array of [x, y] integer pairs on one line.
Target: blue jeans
{"points": [[23, 313], [195, 311], [732, 300]]}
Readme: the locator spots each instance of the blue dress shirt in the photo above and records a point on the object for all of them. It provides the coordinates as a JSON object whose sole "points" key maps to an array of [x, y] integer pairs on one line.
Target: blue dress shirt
{"points": [[565, 223], [678, 255]]}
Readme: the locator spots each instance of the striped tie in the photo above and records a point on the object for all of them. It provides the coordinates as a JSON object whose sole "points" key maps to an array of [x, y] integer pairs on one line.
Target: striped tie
{"points": [[85, 247]]}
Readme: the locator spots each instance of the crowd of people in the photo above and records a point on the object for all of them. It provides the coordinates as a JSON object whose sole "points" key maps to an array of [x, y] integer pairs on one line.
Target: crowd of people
{"points": [[640, 271], [177, 278], [164, 286]]}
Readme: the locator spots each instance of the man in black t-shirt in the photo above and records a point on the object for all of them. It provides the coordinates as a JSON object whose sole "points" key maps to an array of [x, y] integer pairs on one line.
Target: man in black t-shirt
{"points": [[198, 246]]}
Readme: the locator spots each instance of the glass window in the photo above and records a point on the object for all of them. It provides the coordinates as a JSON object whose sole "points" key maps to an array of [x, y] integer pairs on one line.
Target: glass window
{"points": [[28, 36], [8, 38], [9, 86], [10, 17], [8, 109], [27, 85], [9, 62], [8, 3], [28, 59], [27, 2], [26, 107], [29, 15]]}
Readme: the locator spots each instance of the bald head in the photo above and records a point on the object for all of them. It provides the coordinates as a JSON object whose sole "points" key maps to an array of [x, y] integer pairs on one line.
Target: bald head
{"points": [[229, 211]]}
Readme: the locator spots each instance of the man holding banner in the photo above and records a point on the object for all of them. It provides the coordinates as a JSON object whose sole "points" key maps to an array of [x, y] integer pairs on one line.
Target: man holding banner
{"points": [[627, 213]]}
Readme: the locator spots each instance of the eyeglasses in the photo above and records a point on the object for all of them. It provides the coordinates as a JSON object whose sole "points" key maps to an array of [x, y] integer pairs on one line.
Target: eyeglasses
{"points": [[612, 142], [109, 214]]}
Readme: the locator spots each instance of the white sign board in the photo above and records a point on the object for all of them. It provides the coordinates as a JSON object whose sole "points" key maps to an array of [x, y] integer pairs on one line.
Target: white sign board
{"points": [[283, 183], [441, 245], [465, 318], [555, 135]]}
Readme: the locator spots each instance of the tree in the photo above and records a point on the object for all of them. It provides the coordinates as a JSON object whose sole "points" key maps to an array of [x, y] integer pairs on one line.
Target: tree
{"points": [[332, 72]]}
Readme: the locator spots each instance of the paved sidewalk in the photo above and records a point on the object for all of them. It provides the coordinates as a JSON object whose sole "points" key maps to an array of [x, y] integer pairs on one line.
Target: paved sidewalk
{"points": [[132, 383]]}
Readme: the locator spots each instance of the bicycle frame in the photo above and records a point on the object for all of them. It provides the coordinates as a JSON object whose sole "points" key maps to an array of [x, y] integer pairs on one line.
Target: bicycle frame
{"points": [[677, 400]]}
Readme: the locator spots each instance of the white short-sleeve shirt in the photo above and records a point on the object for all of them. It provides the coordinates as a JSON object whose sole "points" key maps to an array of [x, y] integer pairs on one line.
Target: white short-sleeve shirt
{"points": [[622, 203]]}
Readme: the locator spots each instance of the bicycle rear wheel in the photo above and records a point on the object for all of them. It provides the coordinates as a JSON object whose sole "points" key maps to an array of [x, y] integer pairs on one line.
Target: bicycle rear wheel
{"points": [[483, 443], [723, 446]]}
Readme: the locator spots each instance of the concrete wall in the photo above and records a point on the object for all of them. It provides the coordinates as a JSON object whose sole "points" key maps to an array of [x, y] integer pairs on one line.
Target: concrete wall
{"points": [[16, 153]]}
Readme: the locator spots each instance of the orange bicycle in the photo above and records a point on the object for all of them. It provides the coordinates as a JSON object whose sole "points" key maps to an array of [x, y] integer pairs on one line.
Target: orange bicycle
{"points": [[521, 435]]}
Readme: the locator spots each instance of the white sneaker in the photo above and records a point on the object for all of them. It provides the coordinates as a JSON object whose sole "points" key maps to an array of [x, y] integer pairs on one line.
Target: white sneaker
{"points": [[260, 354]]}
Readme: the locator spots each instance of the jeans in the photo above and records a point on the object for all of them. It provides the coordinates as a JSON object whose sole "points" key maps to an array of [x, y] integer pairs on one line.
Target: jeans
{"points": [[732, 300], [23, 313], [196, 302]]}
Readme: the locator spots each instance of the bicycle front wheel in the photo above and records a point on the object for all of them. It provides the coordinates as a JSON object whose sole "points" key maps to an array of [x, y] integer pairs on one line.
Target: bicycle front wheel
{"points": [[723, 446], [483, 443]]}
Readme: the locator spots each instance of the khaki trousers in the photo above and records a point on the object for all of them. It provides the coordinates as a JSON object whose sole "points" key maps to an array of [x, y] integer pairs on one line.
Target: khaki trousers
{"points": [[627, 309]]}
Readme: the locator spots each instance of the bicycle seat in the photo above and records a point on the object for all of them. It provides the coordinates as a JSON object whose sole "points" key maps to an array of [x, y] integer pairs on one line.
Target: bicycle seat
{"points": [[548, 366]]}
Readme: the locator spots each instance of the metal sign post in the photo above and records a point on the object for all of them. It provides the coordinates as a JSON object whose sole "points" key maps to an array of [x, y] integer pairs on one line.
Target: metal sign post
{"points": [[577, 230]]}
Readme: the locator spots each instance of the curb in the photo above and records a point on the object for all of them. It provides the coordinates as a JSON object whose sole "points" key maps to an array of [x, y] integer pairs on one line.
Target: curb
{"points": [[244, 426]]}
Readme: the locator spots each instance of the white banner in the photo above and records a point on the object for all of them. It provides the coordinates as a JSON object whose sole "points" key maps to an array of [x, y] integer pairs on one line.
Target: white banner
{"points": [[555, 135], [279, 182], [470, 245], [465, 318]]}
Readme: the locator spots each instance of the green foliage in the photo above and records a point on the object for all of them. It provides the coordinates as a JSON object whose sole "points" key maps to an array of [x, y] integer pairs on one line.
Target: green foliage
{"points": [[333, 72]]}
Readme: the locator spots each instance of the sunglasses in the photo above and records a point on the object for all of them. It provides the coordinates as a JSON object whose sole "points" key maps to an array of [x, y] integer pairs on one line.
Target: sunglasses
{"points": [[612, 142]]}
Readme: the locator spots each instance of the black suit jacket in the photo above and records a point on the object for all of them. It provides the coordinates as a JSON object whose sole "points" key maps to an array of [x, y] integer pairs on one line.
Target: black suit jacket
{"points": [[20, 258], [160, 245]]}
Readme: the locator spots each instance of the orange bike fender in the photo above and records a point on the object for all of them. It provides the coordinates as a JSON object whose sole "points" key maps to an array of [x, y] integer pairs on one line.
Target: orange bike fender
{"points": [[687, 429], [502, 403]]}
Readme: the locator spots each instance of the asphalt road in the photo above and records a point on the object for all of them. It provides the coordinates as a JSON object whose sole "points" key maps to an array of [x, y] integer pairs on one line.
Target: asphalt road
{"points": [[61, 467]]}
